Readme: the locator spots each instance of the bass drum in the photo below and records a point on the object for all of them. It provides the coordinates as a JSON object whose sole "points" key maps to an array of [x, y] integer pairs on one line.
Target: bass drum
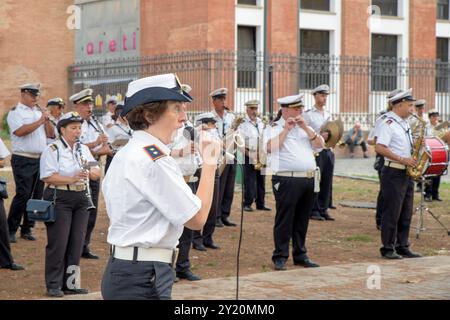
{"points": [[437, 151]]}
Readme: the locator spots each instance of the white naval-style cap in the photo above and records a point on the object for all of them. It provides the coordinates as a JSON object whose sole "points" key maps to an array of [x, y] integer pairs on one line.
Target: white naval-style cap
{"points": [[153, 89], [219, 92], [403, 95], [324, 88], [84, 95], [205, 118], [292, 101], [33, 88]]}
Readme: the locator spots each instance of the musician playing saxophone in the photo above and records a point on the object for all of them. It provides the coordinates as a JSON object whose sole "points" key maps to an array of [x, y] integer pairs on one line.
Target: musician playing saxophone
{"points": [[251, 130], [94, 137], [395, 144], [61, 168]]}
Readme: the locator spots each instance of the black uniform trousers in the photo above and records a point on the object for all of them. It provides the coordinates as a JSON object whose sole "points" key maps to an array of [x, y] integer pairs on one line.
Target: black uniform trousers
{"points": [[254, 185], [208, 229], [325, 161], [65, 238], [379, 164], [185, 242], [227, 180], [398, 195], [26, 178], [294, 199], [108, 162], [95, 192], [137, 280], [432, 187], [351, 145], [6, 258]]}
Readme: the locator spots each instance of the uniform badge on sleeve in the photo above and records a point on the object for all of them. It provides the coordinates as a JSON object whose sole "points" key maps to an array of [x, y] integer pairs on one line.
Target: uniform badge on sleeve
{"points": [[154, 152], [389, 121]]}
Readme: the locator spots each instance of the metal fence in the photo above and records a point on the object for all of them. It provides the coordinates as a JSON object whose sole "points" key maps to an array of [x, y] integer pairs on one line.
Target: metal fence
{"points": [[359, 85]]}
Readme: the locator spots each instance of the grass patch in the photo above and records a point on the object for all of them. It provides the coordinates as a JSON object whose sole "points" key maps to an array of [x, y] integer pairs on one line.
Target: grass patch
{"points": [[211, 264], [359, 238], [265, 268]]}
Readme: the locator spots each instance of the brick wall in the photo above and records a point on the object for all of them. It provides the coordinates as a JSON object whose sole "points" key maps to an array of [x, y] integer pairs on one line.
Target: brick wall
{"points": [[35, 46]]}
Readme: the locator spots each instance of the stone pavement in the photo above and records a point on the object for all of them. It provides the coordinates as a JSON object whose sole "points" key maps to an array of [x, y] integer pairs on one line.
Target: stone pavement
{"points": [[363, 167], [425, 278]]}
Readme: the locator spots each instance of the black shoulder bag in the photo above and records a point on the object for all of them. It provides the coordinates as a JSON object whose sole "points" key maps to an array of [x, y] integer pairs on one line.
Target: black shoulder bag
{"points": [[42, 210]]}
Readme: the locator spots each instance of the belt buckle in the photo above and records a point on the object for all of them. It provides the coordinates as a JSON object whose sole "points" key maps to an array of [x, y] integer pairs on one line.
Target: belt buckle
{"points": [[310, 174]]}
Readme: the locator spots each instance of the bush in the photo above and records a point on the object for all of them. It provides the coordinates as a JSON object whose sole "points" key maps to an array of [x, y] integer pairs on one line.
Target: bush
{"points": [[4, 134]]}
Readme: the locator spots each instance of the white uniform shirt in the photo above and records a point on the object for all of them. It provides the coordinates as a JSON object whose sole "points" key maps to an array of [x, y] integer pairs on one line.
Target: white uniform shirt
{"points": [[119, 131], [4, 152], [69, 162], [296, 153], [90, 130], [54, 122], [107, 119], [190, 162], [375, 131], [223, 125], [395, 134], [316, 119], [34, 142], [147, 200], [251, 132]]}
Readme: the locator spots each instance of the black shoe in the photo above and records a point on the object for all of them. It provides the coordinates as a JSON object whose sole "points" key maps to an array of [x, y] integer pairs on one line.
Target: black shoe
{"points": [[12, 238], [391, 255], [263, 208], [212, 246], [14, 267], [379, 227], [327, 217], [316, 216], [228, 223], [332, 208], [219, 223], [75, 291], [28, 236], [428, 199], [248, 209], [188, 275], [55, 293], [89, 255], [199, 247], [280, 265], [306, 263], [437, 199], [406, 253]]}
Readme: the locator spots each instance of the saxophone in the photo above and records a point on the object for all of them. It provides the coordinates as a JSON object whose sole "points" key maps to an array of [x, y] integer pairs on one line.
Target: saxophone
{"points": [[231, 140], [416, 171], [261, 159]]}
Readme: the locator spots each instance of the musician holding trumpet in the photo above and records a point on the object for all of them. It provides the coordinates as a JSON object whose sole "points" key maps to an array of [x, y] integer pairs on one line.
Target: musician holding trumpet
{"points": [[291, 144], [94, 137], [252, 130], [64, 168], [30, 127]]}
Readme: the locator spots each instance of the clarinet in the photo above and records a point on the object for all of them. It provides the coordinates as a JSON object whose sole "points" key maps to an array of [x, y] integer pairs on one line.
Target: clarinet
{"points": [[85, 168], [101, 131]]}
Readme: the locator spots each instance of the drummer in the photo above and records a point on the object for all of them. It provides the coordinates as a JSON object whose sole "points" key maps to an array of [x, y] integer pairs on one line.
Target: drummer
{"points": [[432, 184]]}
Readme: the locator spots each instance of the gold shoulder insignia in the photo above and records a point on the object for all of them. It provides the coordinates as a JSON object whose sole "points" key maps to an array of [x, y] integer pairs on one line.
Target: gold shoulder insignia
{"points": [[154, 152]]}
